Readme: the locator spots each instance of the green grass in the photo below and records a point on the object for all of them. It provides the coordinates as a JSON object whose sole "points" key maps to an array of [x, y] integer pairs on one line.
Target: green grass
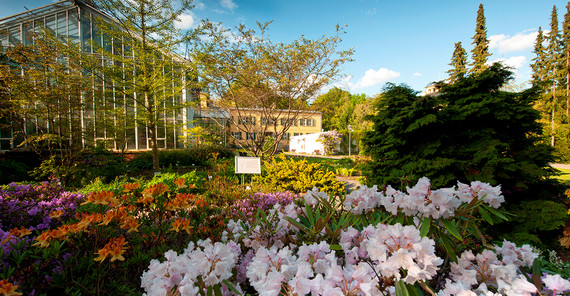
{"points": [[564, 176]]}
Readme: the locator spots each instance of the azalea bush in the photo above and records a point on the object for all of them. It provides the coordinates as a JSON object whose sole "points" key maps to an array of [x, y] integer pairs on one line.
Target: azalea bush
{"points": [[101, 242], [369, 242]]}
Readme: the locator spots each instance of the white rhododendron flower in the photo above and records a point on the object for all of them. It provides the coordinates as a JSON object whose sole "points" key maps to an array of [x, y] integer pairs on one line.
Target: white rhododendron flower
{"points": [[555, 283], [212, 262], [395, 247], [511, 254], [362, 200]]}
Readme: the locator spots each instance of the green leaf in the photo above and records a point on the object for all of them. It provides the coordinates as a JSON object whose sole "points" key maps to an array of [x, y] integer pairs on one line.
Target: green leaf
{"points": [[218, 290], [231, 287], [309, 214], [496, 213], [401, 289], [296, 223], [335, 247], [425, 226], [485, 215], [449, 248], [452, 228]]}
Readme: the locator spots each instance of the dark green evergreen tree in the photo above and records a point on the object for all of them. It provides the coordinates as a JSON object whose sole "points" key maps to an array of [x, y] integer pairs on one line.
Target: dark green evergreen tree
{"points": [[538, 64], [480, 52], [471, 131], [458, 63], [566, 48], [553, 61]]}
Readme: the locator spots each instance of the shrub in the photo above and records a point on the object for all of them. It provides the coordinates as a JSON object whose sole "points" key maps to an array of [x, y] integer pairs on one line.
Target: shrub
{"points": [[192, 157], [12, 171], [105, 243], [299, 176]]}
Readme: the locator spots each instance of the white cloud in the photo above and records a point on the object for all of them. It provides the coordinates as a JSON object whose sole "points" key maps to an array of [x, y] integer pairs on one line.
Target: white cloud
{"points": [[373, 77], [506, 43], [229, 4], [199, 5], [184, 21], [417, 74], [515, 62]]}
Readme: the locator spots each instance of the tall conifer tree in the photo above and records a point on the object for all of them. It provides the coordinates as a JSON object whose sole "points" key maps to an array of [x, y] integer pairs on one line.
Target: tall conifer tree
{"points": [[480, 52], [458, 63], [553, 63], [538, 65], [566, 48]]}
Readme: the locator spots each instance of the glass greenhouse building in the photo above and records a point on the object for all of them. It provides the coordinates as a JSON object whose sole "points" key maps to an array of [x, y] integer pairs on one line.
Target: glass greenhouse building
{"points": [[95, 121]]}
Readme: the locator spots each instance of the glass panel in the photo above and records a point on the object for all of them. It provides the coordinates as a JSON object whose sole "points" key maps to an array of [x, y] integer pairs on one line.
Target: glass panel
{"points": [[73, 26], [14, 35], [62, 25], [85, 32], [27, 29], [50, 23]]}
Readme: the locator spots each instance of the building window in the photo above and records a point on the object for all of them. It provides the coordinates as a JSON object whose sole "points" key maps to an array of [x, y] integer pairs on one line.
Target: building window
{"points": [[267, 121], [292, 122], [250, 136], [297, 134], [248, 120], [236, 135], [306, 122], [285, 136]]}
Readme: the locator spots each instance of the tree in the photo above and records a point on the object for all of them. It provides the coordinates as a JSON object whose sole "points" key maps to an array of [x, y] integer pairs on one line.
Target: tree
{"points": [[471, 131], [553, 59], [245, 69], [538, 65], [480, 51], [42, 85], [140, 61], [566, 49], [458, 63]]}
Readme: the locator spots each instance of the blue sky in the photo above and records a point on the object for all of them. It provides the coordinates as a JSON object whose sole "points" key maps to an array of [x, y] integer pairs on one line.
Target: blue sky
{"points": [[406, 41]]}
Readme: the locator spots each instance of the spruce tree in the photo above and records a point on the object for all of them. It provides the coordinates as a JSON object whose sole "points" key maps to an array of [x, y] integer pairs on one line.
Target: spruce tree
{"points": [[538, 65], [566, 48], [480, 52], [553, 73], [458, 63]]}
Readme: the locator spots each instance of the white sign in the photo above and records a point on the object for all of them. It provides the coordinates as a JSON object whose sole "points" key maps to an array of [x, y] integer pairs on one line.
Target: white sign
{"points": [[248, 165]]}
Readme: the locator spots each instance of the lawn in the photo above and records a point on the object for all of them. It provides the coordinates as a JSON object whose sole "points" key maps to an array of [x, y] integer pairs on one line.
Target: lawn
{"points": [[564, 176]]}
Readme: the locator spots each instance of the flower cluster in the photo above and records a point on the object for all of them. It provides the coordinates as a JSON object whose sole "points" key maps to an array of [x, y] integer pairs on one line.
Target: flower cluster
{"points": [[199, 266], [248, 207], [272, 233], [421, 199]]}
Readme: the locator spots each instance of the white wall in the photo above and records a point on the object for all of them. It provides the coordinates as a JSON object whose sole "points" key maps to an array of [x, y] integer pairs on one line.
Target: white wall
{"points": [[306, 144]]}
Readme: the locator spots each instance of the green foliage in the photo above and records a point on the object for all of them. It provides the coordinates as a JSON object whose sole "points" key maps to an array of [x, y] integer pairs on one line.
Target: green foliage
{"points": [[540, 215], [480, 51], [12, 171], [85, 166], [195, 156], [168, 179], [299, 176], [471, 131], [458, 63]]}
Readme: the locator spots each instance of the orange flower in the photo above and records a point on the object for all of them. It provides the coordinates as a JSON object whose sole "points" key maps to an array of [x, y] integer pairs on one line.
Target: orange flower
{"points": [[43, 239], [56, 214], [21, 232], [181, 224], [200, 203], [180, 183], [7, 289], [181, 200], [101, 198], [115, 248], [131, 187], [132, 224]]}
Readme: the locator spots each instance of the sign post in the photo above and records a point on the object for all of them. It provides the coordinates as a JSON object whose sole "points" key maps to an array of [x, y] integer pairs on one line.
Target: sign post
{"points": [[247, 165]]}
